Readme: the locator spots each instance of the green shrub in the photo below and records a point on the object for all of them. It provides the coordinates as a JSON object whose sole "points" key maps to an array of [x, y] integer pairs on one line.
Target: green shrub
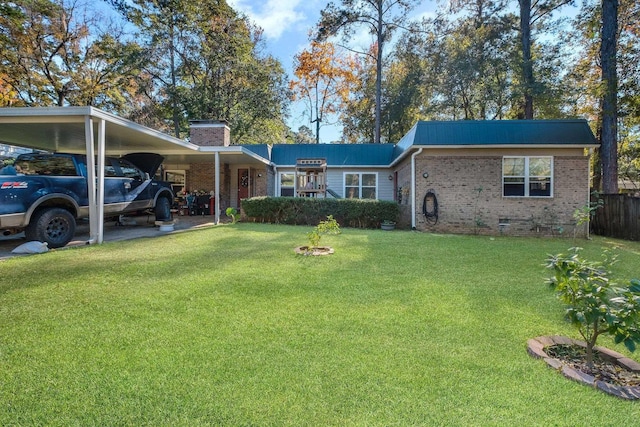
{"points": [[232, 213], [309, 211]]}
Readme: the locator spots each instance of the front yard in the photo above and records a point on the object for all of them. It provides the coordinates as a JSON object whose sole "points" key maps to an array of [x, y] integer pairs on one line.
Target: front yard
{"points": [[227, 326]]}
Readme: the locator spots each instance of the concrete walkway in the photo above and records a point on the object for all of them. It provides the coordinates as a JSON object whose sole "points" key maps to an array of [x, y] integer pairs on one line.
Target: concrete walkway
{"points": [[140, 226]]}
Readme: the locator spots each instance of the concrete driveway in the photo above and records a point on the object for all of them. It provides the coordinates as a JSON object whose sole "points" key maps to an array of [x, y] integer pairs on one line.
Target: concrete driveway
{"points": [[138, 226]]}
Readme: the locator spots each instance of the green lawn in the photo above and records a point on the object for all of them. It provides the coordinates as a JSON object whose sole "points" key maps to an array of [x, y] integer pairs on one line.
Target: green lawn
{"points": [[227, 326]]}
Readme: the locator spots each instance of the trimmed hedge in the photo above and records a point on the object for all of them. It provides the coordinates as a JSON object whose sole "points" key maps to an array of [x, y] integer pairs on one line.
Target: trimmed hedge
{"points": [[309, 211]]}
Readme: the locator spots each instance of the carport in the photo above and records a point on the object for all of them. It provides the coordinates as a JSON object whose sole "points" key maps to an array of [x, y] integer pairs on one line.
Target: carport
{"points": [[96, 133]]}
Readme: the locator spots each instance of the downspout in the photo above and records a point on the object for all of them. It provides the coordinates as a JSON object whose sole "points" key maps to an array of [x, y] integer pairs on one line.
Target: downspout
{"points": [[276, 189], [413, 188]]}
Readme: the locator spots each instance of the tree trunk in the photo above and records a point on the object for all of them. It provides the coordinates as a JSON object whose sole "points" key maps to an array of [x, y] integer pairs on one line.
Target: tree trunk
{"points": [[527, 64], [378, 107], [317, 115], [609, 138]]}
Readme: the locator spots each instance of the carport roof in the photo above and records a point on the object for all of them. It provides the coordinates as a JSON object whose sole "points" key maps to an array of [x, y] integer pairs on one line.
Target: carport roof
{"points": [[62, 129]]}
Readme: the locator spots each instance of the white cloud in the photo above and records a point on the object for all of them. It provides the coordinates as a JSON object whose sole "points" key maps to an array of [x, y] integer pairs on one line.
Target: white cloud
{"points": [[274, 16]]}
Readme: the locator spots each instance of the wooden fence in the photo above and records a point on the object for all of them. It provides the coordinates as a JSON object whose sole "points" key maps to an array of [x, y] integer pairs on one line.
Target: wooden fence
{"points": [[618, 217]]}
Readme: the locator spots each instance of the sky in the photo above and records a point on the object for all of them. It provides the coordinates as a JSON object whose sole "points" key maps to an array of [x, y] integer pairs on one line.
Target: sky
{"points": [[286, 25]]}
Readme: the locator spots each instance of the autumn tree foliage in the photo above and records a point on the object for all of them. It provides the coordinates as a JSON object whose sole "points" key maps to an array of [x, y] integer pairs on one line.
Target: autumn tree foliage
{"points": [[323, 81], [61, 53]]}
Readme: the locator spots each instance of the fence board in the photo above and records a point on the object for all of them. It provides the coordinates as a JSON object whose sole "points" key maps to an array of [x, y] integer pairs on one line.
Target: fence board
{"points": [[618, 217]]}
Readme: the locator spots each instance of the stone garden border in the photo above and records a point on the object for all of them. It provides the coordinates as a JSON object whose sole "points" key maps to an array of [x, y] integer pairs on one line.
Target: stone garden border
{"points": [[314, 251], [536, 346]]}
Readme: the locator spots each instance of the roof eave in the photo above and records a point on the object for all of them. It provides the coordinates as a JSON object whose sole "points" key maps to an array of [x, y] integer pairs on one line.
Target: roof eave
{"points": [[237, 149], [486, 146], [342, 166]]}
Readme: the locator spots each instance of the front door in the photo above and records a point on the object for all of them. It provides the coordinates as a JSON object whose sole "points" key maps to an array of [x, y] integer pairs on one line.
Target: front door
{"points": [[243, 184]]}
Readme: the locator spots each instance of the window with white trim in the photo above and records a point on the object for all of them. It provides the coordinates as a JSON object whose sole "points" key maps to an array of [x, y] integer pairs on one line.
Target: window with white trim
{"points": [[527, 176], [360, 185], [286, 184]]}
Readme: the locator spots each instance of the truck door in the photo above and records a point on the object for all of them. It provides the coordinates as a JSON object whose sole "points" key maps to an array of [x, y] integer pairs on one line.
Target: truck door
{"points": [[136, 185]]}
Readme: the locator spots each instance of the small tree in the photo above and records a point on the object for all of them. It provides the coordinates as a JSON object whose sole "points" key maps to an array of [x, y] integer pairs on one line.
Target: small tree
{"points": [[586, 213], [596, 305], [330, 226]]}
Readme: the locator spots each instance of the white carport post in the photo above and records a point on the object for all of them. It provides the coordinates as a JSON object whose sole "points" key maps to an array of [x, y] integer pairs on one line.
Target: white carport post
{"points": [[95, 183], [217, 188]]}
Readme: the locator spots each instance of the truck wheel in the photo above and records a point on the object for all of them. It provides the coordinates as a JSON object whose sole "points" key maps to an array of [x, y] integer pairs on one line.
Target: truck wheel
{"points": [[163, 209], [55, 226]]}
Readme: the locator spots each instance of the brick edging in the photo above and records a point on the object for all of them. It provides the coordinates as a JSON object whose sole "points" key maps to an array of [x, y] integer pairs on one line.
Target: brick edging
{"points": [[536, 346]]}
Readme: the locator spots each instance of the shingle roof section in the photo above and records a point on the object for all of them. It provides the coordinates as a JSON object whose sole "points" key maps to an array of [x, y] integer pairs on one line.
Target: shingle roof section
{"points": [[499, 132], [336, 154]]}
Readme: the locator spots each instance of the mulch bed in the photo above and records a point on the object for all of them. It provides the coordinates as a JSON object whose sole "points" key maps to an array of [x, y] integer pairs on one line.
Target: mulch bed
{"points": [[612, 372], [602, 369]]}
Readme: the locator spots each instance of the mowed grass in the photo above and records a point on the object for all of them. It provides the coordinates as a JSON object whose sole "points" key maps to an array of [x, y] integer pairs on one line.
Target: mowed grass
{"points": [[228, 326]]}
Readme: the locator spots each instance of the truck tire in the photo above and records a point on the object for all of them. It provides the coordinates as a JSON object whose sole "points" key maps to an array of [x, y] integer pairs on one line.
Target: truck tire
{"points": [[54, 226], [163, 209]]}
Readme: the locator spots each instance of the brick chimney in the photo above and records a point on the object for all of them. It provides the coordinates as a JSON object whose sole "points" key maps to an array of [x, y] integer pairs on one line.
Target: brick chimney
{"points": [[210, 133]]}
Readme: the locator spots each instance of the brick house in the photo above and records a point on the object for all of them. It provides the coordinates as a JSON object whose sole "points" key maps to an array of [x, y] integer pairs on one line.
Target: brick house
{"points": [[523, 177]]}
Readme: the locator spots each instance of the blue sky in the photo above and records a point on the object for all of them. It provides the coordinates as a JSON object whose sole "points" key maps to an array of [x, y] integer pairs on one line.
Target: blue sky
{"points": [[286, 25]]}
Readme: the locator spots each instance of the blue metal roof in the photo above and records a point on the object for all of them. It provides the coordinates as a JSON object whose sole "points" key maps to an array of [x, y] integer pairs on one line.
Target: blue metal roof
{"points": [[336, 154], [571, 132], [262, 150], [499, 132]]}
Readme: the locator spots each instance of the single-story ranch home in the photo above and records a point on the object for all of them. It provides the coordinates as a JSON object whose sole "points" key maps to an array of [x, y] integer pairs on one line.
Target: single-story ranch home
{"points": [[512, 177], [524, 177]]}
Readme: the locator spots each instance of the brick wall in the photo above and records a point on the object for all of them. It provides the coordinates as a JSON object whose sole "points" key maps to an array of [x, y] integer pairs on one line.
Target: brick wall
{"points": [[259, 183], [201, 176], [469, 194], [210, 133]]}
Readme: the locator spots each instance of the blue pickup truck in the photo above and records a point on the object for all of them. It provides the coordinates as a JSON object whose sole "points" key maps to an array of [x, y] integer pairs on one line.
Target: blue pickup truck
{"points": [[45, 194]]}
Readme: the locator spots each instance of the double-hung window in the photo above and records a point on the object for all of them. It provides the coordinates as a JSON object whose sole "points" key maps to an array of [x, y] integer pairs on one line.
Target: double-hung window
{"points": [[359, 185], [527, 176], [286, 184]]}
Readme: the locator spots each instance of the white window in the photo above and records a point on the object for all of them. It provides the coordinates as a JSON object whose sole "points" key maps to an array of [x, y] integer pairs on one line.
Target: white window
{"points": [[286, 184], [527, 176], [360, 185]]}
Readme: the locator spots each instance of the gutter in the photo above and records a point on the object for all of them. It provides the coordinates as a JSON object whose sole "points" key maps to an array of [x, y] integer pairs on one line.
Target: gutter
{"points": [[405, 153], [413, 188]]}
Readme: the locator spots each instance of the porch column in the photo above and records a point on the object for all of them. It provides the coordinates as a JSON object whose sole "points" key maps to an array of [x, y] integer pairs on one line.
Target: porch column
{"points": [[95, 183], [91, 180], [100, 171]]}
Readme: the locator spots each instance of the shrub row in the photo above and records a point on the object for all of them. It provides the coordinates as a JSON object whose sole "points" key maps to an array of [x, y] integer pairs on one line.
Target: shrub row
{"points": [[310, 211]]}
